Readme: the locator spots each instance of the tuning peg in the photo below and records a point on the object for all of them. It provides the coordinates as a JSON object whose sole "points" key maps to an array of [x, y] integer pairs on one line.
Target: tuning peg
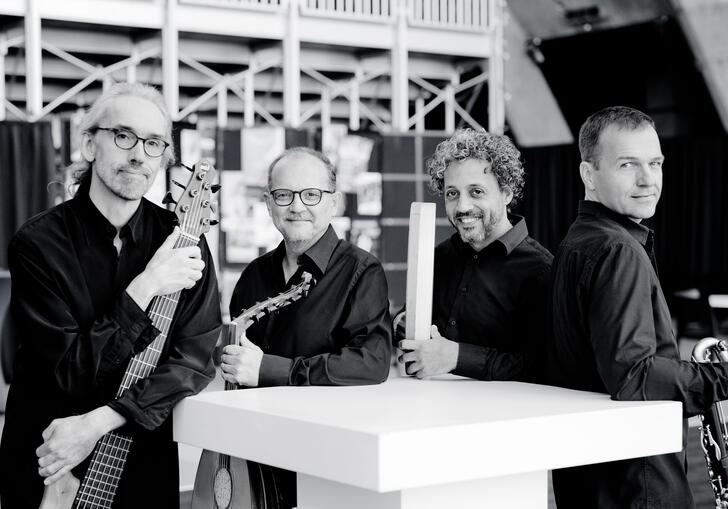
{"points": [[213, 222], [188, 168], [213, 207], [168, 198], [215, 188], [178, 184]]}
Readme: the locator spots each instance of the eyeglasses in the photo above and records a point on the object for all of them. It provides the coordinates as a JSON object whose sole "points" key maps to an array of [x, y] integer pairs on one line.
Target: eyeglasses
{"points": [[310, 196], [127, 140]]}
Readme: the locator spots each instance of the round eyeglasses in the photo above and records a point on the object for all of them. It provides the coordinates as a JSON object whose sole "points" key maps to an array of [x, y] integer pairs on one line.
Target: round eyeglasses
{"points": [[127, 140], [310, 196]]}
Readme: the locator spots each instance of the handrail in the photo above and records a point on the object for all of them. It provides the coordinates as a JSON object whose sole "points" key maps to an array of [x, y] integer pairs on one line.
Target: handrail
{"points": [[464, 15]]}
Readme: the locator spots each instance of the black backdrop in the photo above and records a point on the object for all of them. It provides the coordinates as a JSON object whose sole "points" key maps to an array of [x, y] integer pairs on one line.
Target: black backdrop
{"points": [[27, 165], [691, 223]]}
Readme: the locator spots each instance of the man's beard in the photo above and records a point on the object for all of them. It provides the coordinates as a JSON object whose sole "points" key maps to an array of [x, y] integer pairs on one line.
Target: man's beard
{"points": [[478, 231]]}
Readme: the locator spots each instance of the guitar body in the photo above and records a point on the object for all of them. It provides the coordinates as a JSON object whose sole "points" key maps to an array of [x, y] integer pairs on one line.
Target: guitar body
{"points": [[60, 494], [225, 482]]}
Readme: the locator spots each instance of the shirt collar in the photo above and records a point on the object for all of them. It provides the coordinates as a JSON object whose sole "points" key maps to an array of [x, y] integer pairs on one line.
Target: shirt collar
{"points": [[97, 221], [506, 242], [515, 235], [640, 232], [317, 255], [320, 253]]}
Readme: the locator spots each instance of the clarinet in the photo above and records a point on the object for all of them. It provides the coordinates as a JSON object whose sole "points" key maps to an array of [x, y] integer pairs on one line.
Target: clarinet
{"points": [[713, 432]]}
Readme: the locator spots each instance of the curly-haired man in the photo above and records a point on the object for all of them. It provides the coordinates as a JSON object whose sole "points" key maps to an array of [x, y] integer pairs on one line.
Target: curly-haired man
{"points": [[491, 279]]}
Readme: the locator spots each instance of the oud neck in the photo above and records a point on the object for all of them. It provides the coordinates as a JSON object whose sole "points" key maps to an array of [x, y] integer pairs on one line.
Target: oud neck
{"points": [[161, 311]]}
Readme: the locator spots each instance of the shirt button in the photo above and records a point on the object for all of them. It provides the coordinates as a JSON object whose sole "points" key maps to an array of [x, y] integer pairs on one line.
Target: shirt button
{"points": [[453, 322], [475, 257]]}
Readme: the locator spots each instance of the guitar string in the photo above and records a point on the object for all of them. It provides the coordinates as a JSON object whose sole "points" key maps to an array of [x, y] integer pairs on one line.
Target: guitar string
{"points": [[162, 309]]}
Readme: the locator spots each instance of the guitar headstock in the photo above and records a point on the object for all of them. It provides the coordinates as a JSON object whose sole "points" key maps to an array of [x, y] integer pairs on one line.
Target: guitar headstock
{"points": [[195, 208], [259, 310]]}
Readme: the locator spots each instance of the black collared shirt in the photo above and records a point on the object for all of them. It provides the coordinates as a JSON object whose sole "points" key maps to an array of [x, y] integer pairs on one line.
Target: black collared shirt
{"points": [[612, 333], [78, 329], [339, 334], [493, 302]]}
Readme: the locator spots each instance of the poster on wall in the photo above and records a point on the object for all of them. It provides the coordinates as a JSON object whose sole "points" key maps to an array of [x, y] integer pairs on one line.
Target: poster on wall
{"points": [[249, 231], [368, 187], [260, 146]]}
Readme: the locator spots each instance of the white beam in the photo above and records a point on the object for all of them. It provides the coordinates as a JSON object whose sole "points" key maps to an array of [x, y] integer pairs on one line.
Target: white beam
{"points": [[496, 88], [222, 111], [354, 119], [291, 66], [33, 57], [170, 60], [131, 74], [249, 96], [400, 100], [420, 115]]}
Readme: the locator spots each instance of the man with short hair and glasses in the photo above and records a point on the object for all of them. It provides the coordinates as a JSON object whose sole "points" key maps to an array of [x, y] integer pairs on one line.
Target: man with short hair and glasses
{"points": [[84, 274], [340, 333]]}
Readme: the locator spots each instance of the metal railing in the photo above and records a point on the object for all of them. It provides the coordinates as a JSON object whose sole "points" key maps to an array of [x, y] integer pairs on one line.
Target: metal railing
{"points": [[453, 14]]}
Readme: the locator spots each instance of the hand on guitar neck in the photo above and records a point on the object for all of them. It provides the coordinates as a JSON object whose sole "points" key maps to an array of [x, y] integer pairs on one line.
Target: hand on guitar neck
{"points": [[172, 268], [66, 443]]}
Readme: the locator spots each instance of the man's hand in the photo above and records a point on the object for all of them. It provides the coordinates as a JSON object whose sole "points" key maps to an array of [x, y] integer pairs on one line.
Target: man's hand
{"points": [[169, 270], [429, 357], [68, 441], [241, 363]]}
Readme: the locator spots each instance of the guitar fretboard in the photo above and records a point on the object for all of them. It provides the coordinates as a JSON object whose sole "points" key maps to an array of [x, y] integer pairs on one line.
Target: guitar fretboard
{"points": [[99, 485]]}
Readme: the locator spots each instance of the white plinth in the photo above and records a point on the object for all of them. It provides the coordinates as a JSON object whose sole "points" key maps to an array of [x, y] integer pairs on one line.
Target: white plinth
{"points": [[412, 443]]}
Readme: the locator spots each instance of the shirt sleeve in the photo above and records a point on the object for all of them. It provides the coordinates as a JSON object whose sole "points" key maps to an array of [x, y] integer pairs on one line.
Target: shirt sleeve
{"points": [[623, 337], [366, 354], [188, 366], [526, 361], [74, 358]]}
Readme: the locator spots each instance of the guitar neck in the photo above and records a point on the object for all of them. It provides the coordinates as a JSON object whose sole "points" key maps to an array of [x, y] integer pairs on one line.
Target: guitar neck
{"points": [[161, 311], [99, 485]]}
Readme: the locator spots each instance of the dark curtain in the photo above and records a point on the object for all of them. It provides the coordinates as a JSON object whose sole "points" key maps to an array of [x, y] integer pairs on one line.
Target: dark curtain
{"points": [[691, 223], [26, 168]]}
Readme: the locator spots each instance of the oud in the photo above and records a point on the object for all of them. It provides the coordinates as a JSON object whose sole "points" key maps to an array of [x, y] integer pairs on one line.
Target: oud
{"points": [[225, 482], [98, 487]]}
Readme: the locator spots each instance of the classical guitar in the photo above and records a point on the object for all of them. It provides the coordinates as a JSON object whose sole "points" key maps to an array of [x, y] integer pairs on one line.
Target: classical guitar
{"points": [[98, 487], [225, 482]]}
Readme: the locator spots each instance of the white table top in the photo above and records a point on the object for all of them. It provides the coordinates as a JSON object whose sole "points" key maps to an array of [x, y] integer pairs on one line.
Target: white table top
{"points": [[407, 432]]}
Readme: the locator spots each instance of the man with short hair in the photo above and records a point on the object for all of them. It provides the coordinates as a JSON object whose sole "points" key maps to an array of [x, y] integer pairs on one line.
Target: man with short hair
{"points": [[611, 329], [490, 277], [340, 333], [83, 274]]}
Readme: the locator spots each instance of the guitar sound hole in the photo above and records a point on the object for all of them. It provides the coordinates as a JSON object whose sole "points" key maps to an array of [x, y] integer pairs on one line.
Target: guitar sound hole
{"points": [[223, 488]]}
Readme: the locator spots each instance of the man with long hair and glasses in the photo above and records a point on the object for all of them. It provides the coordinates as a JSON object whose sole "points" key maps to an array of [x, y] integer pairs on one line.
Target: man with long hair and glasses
{"points": [[490, 277], [340, 333], [83, 275]]}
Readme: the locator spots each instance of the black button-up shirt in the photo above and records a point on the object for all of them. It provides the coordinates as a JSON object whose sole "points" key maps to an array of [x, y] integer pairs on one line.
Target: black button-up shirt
{"points": [[612, 333], [493, 302], [78, 329], [339, 334]]}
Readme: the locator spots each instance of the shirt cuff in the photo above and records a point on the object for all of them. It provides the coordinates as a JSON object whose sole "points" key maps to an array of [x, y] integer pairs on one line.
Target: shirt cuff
{"points": [[471, 361], [274, 371]]}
